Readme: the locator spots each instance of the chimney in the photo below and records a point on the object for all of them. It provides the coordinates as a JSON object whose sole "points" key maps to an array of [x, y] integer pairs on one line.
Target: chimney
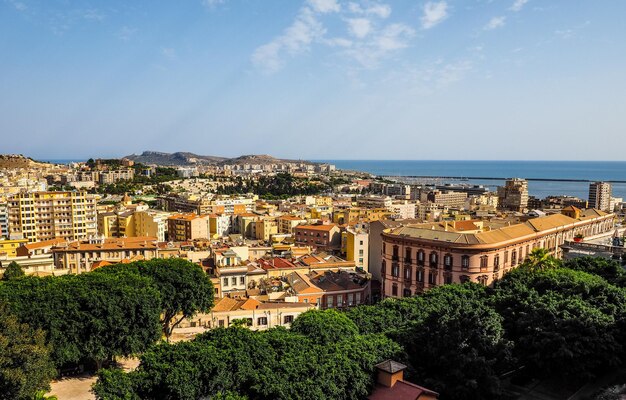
{"points": [[389, 372]]}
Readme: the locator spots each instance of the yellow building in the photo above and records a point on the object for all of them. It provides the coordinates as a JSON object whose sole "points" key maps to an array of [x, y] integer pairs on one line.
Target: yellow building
{"points": [[47, 215], [117, 224], [265, 228], [355, 215], [8, 247], [355, 245], [151, 223]]}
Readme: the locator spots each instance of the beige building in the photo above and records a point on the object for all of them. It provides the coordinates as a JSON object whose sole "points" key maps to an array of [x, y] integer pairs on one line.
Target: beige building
{"points": [[600, 196], [513, 196], [355, 245], [83, 256], [41, 216], [287, 223], [186, 227], [418, 257]]}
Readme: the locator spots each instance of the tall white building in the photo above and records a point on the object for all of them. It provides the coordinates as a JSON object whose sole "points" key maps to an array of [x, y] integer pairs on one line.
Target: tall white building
{"points": [[600, 196]]}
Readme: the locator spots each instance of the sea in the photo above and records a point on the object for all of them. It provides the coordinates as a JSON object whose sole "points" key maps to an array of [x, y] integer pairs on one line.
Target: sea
{"points": [[570, 178]]}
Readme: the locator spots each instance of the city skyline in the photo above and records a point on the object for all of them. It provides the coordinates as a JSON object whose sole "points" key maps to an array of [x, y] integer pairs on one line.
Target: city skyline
{"points": [[316, 79]]}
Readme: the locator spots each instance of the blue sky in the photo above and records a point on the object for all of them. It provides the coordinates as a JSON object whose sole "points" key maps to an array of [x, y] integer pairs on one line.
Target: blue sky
{"points": [[316, 79]]}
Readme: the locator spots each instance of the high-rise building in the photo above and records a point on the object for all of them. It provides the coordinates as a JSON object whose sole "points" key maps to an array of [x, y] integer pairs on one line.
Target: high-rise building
{"points": [[513, 196], [600, 196], [4, 220], [41, 216]]}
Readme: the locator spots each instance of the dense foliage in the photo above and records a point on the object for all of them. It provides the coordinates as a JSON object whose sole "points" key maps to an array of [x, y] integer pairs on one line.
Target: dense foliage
{"points": [[274, 364], [184, 288], [13, 271], [281, 185], [25, 364], [88, 318]]}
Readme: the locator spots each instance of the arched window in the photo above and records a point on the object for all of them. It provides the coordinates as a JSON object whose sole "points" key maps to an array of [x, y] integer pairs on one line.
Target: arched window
{"points": [[434, 259], [420, 257], [465, 262]]}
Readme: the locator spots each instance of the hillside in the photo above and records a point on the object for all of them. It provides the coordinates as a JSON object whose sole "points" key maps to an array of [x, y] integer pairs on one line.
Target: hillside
{"points": [[185, 158], [13, 161]]}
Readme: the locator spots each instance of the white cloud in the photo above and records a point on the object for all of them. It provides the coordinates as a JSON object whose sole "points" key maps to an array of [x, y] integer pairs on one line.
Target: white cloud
{"points": [[325, 6], [381, 44], [295, 39], [433, 14], [378, 10], [93, 15], [518, 5], [126, 33], [359, 27], [19, 6], [495, 23], [338, 42]]}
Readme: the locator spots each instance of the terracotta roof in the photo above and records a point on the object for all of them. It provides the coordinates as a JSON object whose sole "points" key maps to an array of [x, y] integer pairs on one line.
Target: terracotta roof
{"points": [[325, 228], [44, 243], [402, 390], [390, 366]]}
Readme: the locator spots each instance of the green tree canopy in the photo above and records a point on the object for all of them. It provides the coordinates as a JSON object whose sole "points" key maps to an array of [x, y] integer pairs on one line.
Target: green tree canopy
{"points": [[185, 289], [25, 364], [13, 271], [324, 326]]}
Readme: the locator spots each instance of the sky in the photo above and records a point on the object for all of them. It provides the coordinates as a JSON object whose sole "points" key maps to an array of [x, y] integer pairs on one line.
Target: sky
{"points": [[315, 79]]}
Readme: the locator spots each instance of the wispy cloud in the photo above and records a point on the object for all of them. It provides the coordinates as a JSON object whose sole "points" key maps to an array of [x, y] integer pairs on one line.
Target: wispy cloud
{"points": [[381, 44], [433, 14], [126, 33], [295, 39], [495, 23], [93, 15], [359, 27], [518, 5], [325, 6], [168, 52], [379, 10], [18, 5]]}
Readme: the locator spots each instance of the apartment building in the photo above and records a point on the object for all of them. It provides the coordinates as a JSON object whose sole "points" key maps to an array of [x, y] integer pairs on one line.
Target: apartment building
{"points": [[355, 245], [186, 203], [600, 196], [41, 216], [374, 201], [447, 198], [186, 227], [151, 223], [323, 237], [4, 220], [513, 196], [329, 289], [421, 256], [83, 256], [109, 177], [287, 223]]}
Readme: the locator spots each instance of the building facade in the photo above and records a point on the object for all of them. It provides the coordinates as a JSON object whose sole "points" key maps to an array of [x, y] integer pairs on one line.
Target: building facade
{"points": [[418, 257], [41, 216], [513, 196], [600, 196]]}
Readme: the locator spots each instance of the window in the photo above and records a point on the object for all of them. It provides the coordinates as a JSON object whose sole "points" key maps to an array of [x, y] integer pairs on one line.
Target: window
{"points": [[221, 323], [394, 290], [225, 281], [340, 301], [395, 253], [431, 278], [350, 299], [288, 319], [233, 281], [395, 270], [358, 298], [360, 243], [506, 257], [484, 260], [447, 261], [242, 280], [406, 292], [465, 262], [261, 321], [496, 262], [483, 280], [420, 275], [329, 302], [514, 257], [434, 259], [420, 257], [383, 268], [447, 279], [407, 273], [360, 252], [407, 255]]}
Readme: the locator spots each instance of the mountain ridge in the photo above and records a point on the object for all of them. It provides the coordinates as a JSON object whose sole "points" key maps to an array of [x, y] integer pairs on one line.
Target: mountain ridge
{"points": [[182, 158]]}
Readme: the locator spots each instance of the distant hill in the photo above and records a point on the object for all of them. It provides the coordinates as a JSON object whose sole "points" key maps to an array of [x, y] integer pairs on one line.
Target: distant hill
{"points": [[13, 161], [185, 158]]}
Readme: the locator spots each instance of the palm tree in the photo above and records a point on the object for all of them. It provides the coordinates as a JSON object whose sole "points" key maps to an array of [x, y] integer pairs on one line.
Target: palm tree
{"points": [[41, 395], [540, 259]]}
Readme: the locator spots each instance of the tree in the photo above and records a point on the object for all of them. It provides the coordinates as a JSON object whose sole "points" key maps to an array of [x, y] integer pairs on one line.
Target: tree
{"points": [[324, 326], [540, 259], [88, 318], [459, 348], [610, 270], [25, 365], [184, 287], [13, 271]]}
